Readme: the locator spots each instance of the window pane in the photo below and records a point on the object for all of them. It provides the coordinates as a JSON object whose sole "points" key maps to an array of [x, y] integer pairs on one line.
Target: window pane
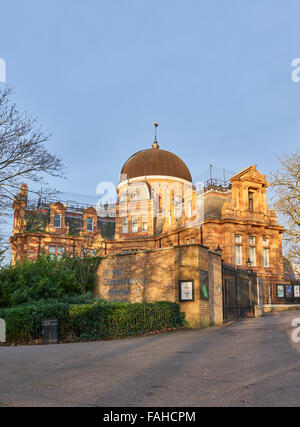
{"points": [[134, 224], [57, 221], [250, 201], [237, 238], [238, 255], [265, 242], [252, 255], [252, 240], [144, 223], [266, 257], [90, 224], [125, 225], [52, 251]]}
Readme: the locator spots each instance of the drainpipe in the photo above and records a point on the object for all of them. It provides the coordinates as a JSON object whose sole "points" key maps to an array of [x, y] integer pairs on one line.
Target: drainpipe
{"points": [[201, 235]]}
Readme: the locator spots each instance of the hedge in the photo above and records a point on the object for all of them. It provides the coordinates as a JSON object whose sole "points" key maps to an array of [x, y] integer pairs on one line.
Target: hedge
{"points": [[93, 321]]}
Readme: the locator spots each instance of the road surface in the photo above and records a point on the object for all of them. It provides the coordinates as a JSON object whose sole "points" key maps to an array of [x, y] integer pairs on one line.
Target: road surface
{"points": [[248, 363]]}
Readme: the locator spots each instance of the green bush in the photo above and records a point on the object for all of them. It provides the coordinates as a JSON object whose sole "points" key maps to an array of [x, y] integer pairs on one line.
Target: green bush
{"points": [[46, 278], [92, 321]]}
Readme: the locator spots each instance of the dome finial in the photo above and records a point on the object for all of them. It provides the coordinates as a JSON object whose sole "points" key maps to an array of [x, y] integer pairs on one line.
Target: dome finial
{"points": [[155, 144]]}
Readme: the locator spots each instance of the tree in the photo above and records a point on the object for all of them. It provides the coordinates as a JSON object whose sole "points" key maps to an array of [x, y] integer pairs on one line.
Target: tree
{"points": [[23, 151], [84, 263], [286, 183]]}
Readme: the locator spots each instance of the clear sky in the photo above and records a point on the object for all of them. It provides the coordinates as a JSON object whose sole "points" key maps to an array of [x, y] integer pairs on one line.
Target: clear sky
{"points": [[216, 74]]}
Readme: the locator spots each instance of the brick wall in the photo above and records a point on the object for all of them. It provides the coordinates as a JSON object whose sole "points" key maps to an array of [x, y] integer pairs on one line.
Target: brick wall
{"points": [[154, 275]]}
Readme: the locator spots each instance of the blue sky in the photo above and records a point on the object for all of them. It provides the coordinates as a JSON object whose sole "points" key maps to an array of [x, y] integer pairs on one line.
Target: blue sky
{"points": [[216, 75]]}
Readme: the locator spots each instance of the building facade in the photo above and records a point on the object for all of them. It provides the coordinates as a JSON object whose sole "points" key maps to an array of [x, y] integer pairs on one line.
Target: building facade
{"points": [[158, 206]]}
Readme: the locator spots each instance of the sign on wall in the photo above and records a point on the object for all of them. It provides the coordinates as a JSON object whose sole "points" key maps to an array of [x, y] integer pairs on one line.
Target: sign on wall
{"points": [[297, 291], [280, 291], [289, 291], [186, 290], [204, 285]]}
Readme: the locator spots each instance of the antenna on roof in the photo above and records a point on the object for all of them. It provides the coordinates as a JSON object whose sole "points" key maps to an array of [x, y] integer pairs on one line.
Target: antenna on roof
{"points": [[155, 144]]}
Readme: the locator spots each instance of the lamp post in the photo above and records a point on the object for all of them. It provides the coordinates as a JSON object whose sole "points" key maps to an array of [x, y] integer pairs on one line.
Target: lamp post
{"points": [[249, 265], [219, 250]]}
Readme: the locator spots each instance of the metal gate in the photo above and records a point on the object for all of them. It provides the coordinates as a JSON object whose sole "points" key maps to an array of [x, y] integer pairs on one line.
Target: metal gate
{"points": [[239, 293]]}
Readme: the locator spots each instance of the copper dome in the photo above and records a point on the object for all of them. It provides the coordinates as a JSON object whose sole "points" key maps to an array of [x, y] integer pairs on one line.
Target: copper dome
{"points": [[155, 162]]}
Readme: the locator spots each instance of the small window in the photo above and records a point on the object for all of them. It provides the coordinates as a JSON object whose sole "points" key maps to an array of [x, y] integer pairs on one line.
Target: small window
{"points": [[170, 218], [57, 221], [251, 240], [266, 256], [237, 238], [125, 225], [144, 223], [250, 201], [60, 251], [188, 241], [193, 240], [252, 255], [134, 227], [265, 242], [52, 251], [238, 255], [90, 224]]}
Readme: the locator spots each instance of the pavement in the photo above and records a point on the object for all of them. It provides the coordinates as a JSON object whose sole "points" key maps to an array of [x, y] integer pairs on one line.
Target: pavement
{"points": [[249, 363]]}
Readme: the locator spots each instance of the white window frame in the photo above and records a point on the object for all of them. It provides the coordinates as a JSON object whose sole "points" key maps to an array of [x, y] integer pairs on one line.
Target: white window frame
{"points": [[60, 250], [125, 224], [91, 222], [238, 254], [252, 255], [52, 251], [266, 257], [237, 238], [252, 240], [252, 250], [144, 223], [265, 242], [55, 218], [134, 224], [238, 251]]}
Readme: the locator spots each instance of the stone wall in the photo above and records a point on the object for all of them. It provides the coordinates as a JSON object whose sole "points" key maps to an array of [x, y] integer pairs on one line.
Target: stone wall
{"points": [[154, 275]]}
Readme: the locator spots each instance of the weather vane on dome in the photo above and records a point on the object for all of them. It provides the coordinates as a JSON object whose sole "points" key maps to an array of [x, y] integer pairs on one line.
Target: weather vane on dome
{"points": [[155, 144]]}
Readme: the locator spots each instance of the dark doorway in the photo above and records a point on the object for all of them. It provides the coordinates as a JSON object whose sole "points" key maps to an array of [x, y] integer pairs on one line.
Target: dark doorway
{"points": [[239, 293]]}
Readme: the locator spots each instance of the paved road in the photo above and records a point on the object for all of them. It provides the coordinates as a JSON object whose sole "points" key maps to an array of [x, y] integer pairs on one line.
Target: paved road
{"points": [[249, 363]]}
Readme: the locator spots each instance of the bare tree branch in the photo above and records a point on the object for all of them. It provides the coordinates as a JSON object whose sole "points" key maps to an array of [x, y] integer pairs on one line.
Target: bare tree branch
{"points": [[286, 183], [24, 155]]}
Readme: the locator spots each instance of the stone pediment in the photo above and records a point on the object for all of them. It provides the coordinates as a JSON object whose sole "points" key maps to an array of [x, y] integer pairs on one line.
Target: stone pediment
{"points": [[250, 174], [58, 206], [90, 211]]}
